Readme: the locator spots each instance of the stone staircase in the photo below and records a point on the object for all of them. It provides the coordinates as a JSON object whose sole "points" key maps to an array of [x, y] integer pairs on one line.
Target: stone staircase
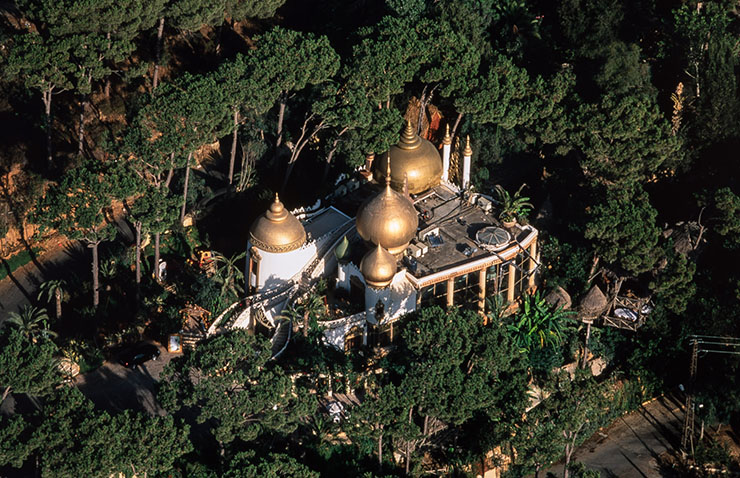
{"points": [[280, 339]]}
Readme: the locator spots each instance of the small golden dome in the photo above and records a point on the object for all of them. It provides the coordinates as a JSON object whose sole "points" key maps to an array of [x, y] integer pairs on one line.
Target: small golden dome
{"points": [[412, 157], [277, 230], [388, 219], [378, 267]]}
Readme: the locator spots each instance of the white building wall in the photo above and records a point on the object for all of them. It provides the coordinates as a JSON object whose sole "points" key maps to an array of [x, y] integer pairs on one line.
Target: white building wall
{"points": [[276, 269], [345, 272]]}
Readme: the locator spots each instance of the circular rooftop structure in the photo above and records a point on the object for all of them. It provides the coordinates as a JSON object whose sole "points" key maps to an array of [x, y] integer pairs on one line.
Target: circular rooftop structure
{"points": [[492, 238]]}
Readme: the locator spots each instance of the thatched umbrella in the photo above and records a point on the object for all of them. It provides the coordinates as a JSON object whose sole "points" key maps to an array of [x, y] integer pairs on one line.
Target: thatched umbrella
{"points": [[593, 304], [559, 297]]}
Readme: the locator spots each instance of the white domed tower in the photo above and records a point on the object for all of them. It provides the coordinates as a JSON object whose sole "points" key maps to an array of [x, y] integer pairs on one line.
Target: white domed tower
{"points": [[275, 247]]}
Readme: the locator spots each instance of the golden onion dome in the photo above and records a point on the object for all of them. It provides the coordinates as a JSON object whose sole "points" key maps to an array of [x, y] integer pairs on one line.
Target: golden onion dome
{"points": [[414, 158], [277, 230], [388, 219], [378, 267]]}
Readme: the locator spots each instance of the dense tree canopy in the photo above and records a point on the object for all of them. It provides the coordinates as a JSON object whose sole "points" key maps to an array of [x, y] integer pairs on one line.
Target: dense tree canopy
{"points": [[183, 117]]}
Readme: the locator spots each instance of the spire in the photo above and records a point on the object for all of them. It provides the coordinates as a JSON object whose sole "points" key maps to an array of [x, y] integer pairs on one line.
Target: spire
{"points": [[388, 172], [467, 151], [447, 139], [409, 138]]}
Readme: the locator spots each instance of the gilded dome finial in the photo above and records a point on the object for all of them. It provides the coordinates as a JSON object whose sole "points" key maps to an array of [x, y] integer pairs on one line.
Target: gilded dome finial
{"points": [[447, 139], [467, 151]]}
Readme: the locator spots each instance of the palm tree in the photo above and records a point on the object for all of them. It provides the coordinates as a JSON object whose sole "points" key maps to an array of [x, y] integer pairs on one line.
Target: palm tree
{"points": [[311, 306], [513, 206], [33, 322], [53, 288], [228, 273], [538, 324]]}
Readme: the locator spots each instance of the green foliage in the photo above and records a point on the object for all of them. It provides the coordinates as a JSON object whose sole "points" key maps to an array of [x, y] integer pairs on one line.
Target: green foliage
{"points": [[27, 365], [18, 260], [728, 220], [623, 230], [33, 322], [513, 206], [624, 139], [230, 381], [72, 438], [571, 412], [674, 286], [44, 64], [580, 470], [565, 264], [275, 465], [538, 324], [74, 207]]}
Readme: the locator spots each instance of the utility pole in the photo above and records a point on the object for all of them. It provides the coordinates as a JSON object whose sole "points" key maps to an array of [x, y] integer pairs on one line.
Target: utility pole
{"points": [[701, 344], [688, 423]]}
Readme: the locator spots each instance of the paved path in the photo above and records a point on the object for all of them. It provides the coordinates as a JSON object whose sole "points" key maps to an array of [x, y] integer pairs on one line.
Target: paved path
{"points": [[632, 445]]}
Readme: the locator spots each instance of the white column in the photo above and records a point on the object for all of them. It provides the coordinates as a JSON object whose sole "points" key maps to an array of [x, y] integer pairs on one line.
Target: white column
{"points": [[446, 161], [467, 155], [446, 149]]}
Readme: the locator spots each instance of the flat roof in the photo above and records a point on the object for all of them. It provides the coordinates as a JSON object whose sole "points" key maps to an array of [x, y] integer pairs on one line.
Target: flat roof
{"points": [[457, 221], [325, 222], [444, 213]]}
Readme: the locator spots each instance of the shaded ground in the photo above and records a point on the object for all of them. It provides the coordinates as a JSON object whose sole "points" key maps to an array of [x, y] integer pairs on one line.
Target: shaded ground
{"points": [[633, 444], [115, 388]]}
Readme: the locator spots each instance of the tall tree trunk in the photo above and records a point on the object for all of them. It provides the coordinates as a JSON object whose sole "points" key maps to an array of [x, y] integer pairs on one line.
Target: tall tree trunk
{"points": [[380, 450], [81, 132], [107, 78], [185, 188], [408, 445], [58, 297], [281, 117], [156, 256], [96, 283], [158, 53], [330, 156], [47, 110], [457, 123], [138, 260], [6, 392], [170, 172], [233, 145], [422, 106], [299, 145]]}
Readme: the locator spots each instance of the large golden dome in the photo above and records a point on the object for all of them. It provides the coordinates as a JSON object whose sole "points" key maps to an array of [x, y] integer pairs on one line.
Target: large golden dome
{"points": [[388, 219], [378, 267], [412, 157], [277, 230]]}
